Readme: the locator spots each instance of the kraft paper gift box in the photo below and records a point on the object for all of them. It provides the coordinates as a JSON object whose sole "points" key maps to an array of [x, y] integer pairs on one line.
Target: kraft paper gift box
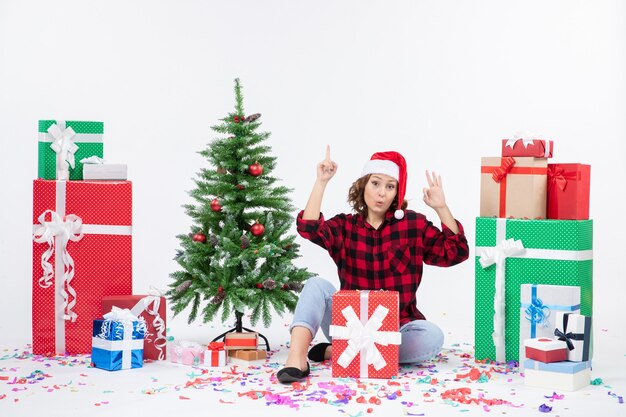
{"points": [[187, 353], [575, 329], [241, 340], [513, 187], [512, 252], [82, 252], [539, 307], [568, 191], [248, 355], [72, 141], [105, 171], [117, 341], [150, 308], [566, 376], [545, 350], [215, 355], [537, 148], [365, 334]]}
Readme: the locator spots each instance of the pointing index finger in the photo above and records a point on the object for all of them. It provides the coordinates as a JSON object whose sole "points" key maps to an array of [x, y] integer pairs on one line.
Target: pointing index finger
{"points": [[328, 152]]}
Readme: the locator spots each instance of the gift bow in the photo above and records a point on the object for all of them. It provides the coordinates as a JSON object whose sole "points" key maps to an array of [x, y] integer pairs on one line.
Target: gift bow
{"points": [[537, 312], [556, 176], [63, 144], [567, 338], [64, 230], [216, 346], [120, 314], [497, 256], [526, 140], [505, 167], [362, 338]]}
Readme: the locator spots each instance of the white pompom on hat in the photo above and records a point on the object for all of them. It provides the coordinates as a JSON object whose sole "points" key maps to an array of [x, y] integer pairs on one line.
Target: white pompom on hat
{"points": [[393, 164]]}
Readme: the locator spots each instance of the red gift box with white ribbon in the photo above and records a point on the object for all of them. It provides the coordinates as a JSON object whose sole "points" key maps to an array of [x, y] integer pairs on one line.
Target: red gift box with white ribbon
{"points": [[522, 146], [82, 252], [151, 308], [365, 334]]}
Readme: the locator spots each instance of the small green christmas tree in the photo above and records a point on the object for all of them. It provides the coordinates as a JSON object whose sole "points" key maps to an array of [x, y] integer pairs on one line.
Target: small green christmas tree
{"points": [[239, 255]]}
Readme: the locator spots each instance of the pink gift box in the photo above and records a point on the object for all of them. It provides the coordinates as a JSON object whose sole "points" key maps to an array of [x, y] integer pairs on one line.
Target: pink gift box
{"points": [[187, 353]]}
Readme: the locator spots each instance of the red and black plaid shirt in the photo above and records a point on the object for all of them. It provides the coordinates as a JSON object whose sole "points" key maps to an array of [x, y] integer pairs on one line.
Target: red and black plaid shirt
{"points": [[390, 257]]}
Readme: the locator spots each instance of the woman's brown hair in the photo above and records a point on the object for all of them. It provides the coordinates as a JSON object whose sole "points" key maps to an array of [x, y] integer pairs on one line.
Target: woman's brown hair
{"points": [[357, 201]]}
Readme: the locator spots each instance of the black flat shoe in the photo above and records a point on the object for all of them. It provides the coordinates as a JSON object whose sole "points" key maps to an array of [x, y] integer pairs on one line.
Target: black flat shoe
{"points": [[318, 352], [291, 374]]}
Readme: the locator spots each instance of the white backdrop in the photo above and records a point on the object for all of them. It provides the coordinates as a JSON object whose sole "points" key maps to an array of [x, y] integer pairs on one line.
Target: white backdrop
{"points": [[440, 81]]}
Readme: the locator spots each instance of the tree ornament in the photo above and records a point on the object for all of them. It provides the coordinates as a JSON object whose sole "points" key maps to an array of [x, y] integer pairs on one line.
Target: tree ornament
{"points": [[215, 205], [255, 169], [241, 187], [218, 298], [213, 240], [253, 117], [236, 119], [288, 246], [269, 284], [220, 289], [221, 170], [285, 287], [295, 286], [245, 242], [183, 286], [259, 285], [257, 229], [199, 237]]}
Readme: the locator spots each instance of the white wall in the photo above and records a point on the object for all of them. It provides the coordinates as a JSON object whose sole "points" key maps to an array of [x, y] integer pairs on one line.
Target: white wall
{"points": [[440, 81]]}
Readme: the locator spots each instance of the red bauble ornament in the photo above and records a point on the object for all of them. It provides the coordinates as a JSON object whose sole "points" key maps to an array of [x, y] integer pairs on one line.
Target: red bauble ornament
{"points": [[220, 289], [259, 285], [285, 287], [236, 119], [199, 237], [255, 169], [215, 205], [241, 187], [257, 229]]}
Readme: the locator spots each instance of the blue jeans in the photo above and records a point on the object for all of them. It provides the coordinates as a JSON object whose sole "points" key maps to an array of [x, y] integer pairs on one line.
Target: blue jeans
{"points": [[421, 339]]}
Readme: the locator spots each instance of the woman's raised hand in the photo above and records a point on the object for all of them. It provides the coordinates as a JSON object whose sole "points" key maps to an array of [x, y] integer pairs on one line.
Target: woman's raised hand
{"points": [[433, 194], [327, 168]]}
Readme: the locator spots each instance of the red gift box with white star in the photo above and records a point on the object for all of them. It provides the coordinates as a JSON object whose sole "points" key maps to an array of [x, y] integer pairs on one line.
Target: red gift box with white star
{"points": [[365, 333], [82, 252]]}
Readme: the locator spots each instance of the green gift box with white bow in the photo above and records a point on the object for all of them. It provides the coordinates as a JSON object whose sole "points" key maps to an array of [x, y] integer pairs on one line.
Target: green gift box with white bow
{"points": [[512, 252], [63, 144]]}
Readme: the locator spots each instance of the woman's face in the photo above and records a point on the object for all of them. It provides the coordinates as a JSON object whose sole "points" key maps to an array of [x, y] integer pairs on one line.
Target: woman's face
{"points": [[380, 191]]}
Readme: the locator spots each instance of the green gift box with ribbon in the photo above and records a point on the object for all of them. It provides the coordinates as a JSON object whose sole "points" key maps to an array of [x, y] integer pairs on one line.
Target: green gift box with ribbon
{"points": [[512, 252], [63, 144]]}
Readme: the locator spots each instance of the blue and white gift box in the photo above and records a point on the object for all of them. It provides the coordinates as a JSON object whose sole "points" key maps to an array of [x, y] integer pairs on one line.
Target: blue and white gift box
{"points": [[117, 341], [565, 375], [538, 311]]}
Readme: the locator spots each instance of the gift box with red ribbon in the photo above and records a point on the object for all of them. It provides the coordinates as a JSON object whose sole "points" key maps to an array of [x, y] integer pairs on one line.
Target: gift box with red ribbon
{"points": [[365, 333], [568, 191], [241, 340], [215, 355], [545, 350], [537, 148], [150, 308], [82, 252], [513, 187]]}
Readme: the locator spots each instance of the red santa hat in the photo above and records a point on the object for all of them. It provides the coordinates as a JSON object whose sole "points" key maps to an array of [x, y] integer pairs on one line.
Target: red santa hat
{"points": [[393, 164]]}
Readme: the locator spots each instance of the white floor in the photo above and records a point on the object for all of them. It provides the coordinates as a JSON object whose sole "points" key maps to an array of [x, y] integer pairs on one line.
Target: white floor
{"points": [[31, 386]]}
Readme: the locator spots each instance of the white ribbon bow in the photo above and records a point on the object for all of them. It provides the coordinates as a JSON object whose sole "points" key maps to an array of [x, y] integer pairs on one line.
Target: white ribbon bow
{"points": [[497, 256], [526, 140], [63, 230], [362, 338], [63, 145]]}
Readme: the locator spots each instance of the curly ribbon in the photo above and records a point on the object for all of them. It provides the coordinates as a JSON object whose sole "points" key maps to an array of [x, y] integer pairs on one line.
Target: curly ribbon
{"points": [[497, 255], [150, 304], [65, 148], [59, 231], [536, 313], [363, 335], [528, 253]]}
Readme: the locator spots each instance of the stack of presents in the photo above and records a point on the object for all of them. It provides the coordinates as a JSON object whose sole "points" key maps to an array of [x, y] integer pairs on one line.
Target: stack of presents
{"points": [[534, 265], [238, 345]]}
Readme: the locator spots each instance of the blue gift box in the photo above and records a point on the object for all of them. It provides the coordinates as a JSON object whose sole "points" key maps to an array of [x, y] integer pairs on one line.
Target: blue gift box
{"points": [[564, 367], [117, 344]]}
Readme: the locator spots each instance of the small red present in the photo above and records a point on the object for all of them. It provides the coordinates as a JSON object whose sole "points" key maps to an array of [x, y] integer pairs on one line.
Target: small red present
{"points": [[151, 308], [365, 332], [82, 251], [215, 355], [537, 148], [568, 191], [241, 340], [545, 350]]}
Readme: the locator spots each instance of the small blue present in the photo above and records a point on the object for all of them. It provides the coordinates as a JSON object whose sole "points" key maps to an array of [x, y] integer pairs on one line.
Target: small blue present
{"points": [[117, 341]]}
